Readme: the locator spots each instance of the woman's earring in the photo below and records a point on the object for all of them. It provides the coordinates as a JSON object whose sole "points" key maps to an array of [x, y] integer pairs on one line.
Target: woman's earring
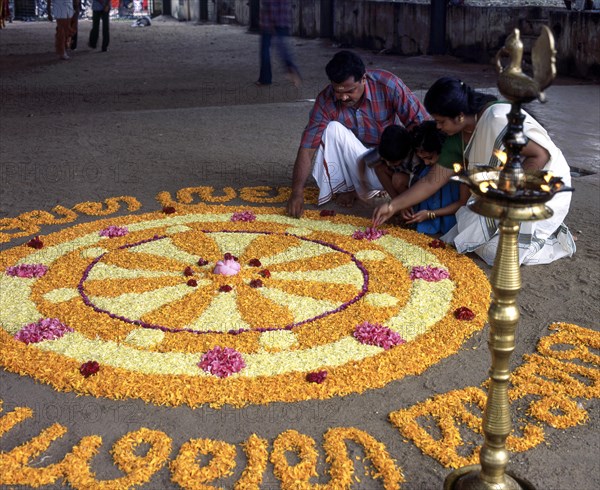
{"points": [[461, 118]]}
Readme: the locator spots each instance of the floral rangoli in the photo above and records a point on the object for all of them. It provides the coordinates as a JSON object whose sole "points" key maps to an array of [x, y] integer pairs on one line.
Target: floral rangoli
{"points": [[222, 304]]}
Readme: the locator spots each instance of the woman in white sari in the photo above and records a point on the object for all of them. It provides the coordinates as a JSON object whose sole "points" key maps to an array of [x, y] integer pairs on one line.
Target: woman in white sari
{"points": [[481, 123]]}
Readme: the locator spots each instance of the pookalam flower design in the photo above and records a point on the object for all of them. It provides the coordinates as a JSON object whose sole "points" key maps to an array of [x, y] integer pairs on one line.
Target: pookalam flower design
{"points": [[44, 329], [222, 361], [319, 281]]}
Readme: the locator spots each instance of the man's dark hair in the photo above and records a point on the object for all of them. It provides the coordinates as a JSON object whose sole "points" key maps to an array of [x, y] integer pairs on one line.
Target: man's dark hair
{"points": [[395, 143], [343, 65]]}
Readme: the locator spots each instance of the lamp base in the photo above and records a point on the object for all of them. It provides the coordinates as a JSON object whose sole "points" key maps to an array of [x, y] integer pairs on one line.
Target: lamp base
{"points": [[468, 478]]}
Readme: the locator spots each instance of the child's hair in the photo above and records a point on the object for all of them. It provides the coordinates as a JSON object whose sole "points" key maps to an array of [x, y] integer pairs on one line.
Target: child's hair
{"points": [[427, 137], [395, 143]]}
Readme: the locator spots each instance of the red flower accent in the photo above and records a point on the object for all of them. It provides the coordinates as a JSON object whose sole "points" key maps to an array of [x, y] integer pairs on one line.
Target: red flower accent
{"points": [[327, 212], [254, 263], [168, 209], [89, 368], [256, 283], [437, 244], [464, 313], [265, 273], [225, 288], [188, 271], [316, 377], [192, 282], [35, 243], [202, 262], [229, 256]]}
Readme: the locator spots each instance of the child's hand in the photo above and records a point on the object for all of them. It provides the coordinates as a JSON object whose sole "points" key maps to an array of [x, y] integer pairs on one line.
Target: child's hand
{"points": [[419, 217], [407, 214]]}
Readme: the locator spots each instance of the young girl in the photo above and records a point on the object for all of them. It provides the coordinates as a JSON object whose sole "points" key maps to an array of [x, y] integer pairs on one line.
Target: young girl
{"points": [[436, 213]]}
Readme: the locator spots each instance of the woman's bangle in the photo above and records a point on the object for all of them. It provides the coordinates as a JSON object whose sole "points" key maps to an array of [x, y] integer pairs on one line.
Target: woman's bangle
{"points": [[431, 215]]}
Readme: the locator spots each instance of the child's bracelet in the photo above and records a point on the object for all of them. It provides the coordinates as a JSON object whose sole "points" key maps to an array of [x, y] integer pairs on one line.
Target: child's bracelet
{"points": [[431, 215]]}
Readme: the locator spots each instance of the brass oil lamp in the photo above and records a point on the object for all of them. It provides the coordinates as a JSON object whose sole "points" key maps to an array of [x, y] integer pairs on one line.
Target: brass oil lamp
{"points": [[510, 195]]}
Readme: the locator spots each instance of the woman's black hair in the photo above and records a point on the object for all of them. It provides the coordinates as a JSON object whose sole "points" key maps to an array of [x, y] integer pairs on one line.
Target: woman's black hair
{"points": [[343, 65], [449, 97], [427, 137], [395, 143]]}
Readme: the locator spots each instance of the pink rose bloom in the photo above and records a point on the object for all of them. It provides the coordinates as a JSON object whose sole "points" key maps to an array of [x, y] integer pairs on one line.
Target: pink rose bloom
{"points": [[243, 216], [44, 329], [114, 231], [227, 267], [370, 233]]}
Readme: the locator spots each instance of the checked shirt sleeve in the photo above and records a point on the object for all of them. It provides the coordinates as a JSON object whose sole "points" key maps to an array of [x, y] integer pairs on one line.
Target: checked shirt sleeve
{"points": [[321, 114]]}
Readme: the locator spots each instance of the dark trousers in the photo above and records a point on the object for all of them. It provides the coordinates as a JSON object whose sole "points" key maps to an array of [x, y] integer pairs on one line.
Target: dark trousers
{"points": [[96, 16]]}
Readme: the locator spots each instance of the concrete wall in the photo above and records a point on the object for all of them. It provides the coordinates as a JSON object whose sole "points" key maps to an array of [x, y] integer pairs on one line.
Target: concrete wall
{"points": [[472, 33]]}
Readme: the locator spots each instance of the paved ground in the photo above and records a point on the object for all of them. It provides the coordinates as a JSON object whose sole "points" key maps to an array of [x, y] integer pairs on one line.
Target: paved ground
{"points": [[173, 106]]}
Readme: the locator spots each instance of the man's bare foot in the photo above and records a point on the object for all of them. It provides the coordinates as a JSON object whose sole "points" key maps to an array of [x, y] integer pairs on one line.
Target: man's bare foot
{"points": [[346, 199]]}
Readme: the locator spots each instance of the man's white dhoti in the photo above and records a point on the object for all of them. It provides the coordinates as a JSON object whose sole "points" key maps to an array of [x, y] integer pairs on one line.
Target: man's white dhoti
{"points": [[336, 166]]}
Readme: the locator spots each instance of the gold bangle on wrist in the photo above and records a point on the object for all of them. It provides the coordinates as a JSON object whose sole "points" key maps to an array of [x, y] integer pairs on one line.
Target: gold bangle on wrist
{"points": [[431, 215]]}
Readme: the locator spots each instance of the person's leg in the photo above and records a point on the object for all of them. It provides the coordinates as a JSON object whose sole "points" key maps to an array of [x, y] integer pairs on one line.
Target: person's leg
{"points": [[265, 77], [105, 31], [95, 29], [74, 31], [336, 162], [286, 55], [62, 34]]}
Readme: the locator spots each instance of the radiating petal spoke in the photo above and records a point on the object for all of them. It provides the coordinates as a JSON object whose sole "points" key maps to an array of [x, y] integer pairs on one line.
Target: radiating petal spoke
{"points": [[165, 248], [221, 315], [336, 293], [234, 243], [151, 262], [102, 271], [260, 311], [304, 250], [112, 288], [264, 246], [344, 274], [301, 307], [320, 262], [134, 305]]}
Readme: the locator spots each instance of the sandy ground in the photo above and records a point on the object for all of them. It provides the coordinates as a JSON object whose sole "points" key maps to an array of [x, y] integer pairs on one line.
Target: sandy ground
{"points": [[174, 105]]}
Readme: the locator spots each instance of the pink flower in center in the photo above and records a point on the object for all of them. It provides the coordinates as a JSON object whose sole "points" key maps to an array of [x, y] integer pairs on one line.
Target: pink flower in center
{"points": [[222, 361], [227, 267]]}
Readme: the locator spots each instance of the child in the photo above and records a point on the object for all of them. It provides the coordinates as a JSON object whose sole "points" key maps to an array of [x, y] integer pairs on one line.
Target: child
{"points": [[435, 214], [389, 165]]}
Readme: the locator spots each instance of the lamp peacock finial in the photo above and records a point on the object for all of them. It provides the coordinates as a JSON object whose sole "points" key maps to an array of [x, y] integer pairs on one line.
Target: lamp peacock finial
{"points": [[516, 85]]}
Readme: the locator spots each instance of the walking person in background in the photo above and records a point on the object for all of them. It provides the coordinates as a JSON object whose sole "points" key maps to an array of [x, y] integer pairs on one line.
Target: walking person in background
{"points": [[100, 10], [75, 24], [276, 19], [62, 11]]}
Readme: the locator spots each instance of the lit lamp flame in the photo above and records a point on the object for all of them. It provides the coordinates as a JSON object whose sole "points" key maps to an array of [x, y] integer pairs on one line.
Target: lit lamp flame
{"points": [[548, 176], [483, 187], [545, 187], [457, 167], [500, 155]]}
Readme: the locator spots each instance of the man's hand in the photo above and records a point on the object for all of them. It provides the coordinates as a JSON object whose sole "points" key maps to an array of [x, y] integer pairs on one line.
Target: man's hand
{"points": [[295, 206]]}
